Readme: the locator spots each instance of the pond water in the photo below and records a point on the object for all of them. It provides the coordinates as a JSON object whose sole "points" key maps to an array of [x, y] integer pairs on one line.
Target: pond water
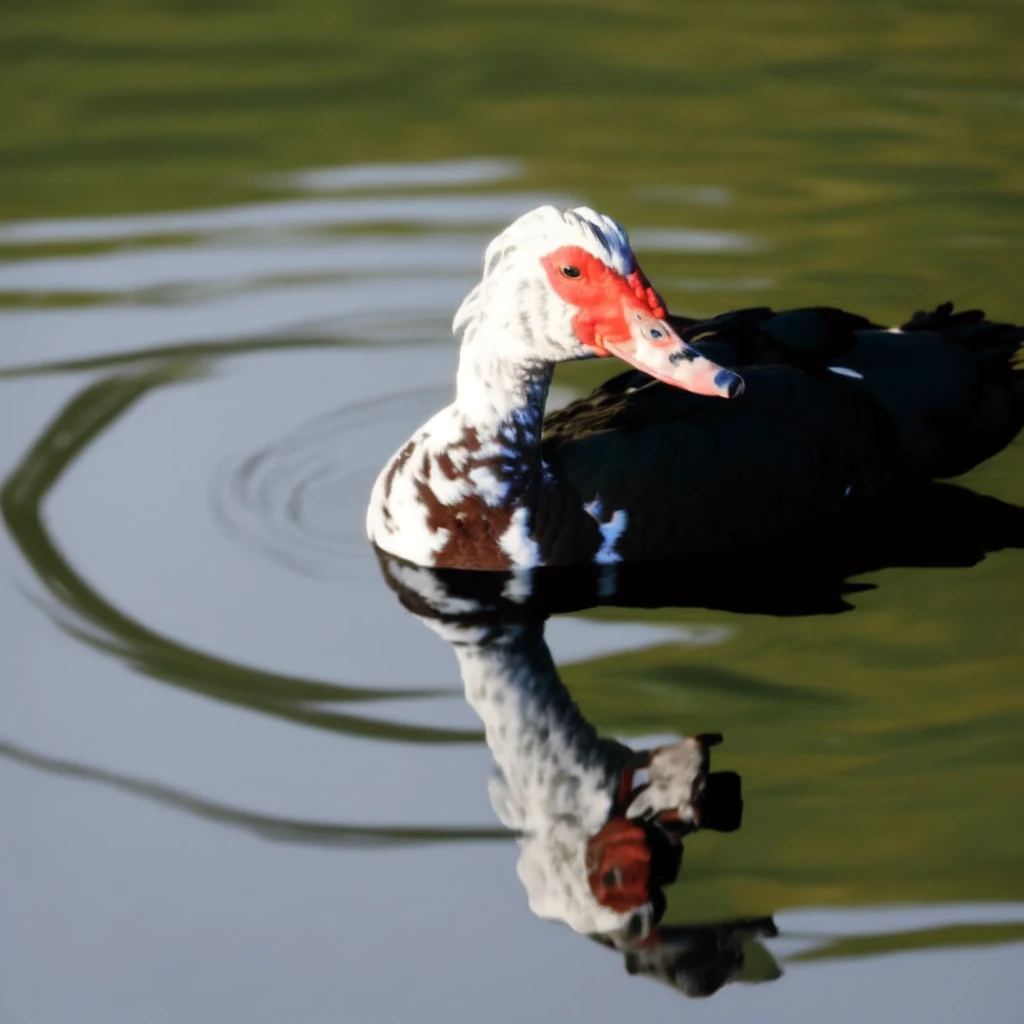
{"points": [[240, 782]]}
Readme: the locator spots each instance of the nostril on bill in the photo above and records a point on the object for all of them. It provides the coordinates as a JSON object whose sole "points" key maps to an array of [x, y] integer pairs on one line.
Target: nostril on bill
{"points": [[683, 355]]}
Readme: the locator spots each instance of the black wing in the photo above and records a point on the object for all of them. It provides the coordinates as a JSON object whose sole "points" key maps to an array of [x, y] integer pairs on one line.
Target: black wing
{"points": [[695, 474]]}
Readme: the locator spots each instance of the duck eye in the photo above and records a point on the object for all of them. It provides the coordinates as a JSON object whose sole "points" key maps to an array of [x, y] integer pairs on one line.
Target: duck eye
{"points": [[570, 271]]}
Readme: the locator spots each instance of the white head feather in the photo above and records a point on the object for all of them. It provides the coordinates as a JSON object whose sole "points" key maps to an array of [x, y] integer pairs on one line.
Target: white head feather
{"points": [[514, 298]]}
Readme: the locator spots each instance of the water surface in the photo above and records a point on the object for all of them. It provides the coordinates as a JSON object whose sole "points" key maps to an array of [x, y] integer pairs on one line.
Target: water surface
{"points": [[240, 782]]}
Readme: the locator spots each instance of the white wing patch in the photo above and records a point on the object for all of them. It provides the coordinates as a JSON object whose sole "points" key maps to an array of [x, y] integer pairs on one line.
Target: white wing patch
{"points": [[516, 542], [611, 531], [845, 371]]}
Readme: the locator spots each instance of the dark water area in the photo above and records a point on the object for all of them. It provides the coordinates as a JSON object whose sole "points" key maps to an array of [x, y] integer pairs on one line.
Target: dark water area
{"points": [[239, 781]]}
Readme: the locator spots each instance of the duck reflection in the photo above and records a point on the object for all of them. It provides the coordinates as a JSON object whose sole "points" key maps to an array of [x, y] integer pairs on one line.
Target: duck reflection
{"points": [[600, 826]]}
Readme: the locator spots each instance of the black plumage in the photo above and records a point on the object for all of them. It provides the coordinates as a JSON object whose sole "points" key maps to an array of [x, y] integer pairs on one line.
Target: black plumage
{"points": [[837, 410]]}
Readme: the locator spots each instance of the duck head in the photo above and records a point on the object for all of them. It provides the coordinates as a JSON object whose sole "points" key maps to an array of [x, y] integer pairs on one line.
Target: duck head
{"points": [[565, 284]]}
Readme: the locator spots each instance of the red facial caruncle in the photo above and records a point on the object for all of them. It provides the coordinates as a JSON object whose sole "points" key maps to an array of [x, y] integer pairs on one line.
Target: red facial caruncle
{"points": [[623, 315]]}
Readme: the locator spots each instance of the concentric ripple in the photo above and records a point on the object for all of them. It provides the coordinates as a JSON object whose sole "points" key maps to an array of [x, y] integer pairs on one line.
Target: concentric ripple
{"points": [[301, 500]]}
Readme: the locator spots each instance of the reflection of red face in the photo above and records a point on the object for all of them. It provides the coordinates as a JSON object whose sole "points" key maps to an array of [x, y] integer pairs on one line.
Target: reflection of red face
{"points": [[623, 315], [619, 865]]}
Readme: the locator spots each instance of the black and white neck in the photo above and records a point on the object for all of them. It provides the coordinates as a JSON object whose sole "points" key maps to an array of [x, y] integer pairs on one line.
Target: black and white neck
{"points": [[462, 489]]}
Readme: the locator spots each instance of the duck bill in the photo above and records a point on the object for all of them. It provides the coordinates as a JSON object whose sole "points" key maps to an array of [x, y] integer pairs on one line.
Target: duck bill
{"points": [[655, 348]]}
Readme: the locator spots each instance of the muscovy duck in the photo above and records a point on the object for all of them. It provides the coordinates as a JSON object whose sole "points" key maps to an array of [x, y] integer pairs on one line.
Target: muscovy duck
{"points": [[825, 406]]}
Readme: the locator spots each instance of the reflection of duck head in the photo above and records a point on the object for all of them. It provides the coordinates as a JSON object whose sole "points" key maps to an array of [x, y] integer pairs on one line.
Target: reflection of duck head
{"points": [[599, 825]]}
